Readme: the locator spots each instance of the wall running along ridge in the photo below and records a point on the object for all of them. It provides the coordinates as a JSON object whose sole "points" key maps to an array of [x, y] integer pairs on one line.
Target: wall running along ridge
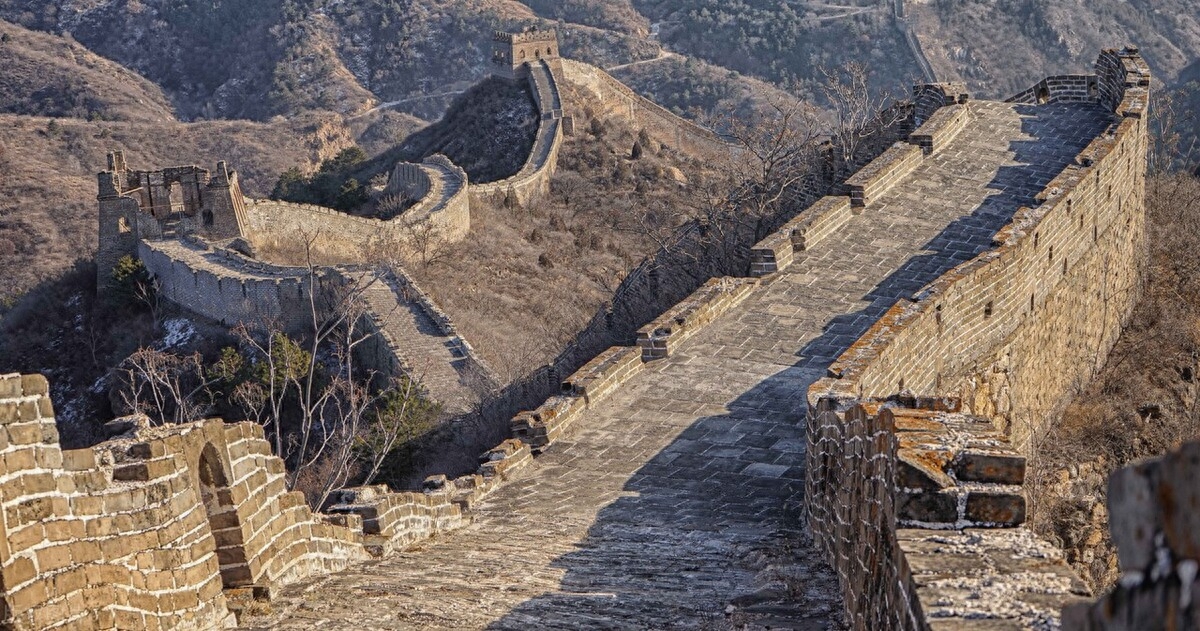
{"points": [[533, 180], [145, 531], [613, 98], [915, 498], [275, 225]]}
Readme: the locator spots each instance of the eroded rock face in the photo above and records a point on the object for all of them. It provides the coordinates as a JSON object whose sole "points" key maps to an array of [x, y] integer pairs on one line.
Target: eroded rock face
{"points": [[1155, 523]]}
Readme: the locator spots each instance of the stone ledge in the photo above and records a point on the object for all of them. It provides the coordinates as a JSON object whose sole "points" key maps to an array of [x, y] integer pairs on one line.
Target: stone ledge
{"points": [[882, 173], [777, 252], [715, 297], [941, 128]]}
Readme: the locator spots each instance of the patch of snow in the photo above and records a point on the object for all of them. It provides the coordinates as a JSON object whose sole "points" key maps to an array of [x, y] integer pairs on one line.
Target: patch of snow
{"points": [[179, 331]]}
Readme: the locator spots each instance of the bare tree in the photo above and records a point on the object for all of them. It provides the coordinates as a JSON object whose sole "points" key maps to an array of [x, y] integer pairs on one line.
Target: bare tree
{"points": [[333, 421], [858, 113], [1169, 115], [165, 387], [424, 238]]}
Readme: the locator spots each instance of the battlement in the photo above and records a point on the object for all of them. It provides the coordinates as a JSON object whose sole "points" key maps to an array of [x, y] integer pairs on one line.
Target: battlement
{"points": [[513, 53], [531, 34]]}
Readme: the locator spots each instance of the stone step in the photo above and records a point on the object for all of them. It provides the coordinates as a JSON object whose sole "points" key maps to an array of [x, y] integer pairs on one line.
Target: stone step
{"points": [[435, 359]]}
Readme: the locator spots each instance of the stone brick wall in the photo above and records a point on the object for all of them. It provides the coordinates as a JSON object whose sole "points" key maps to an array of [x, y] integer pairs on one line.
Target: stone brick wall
{"points": [[410, 180], [1002, 337], [1058, 89], [209, 282], [1011, 331], [928, 98], [883, 173], [274, 225], [851, 473], [778, 250], [441, 188], [533, 180], [1154, 510], [146, 530], [336, 235], [91, 545], [679, 323], [878, 472]]}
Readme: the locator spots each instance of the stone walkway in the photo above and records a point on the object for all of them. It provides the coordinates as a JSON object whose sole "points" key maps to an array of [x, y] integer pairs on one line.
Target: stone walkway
{"points": [[435, 359], [676, 503]]}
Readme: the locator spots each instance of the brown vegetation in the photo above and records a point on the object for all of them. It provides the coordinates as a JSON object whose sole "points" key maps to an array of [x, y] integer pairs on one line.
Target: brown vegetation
{"points": [[1034, 38], [53, 76], [527, 279]]}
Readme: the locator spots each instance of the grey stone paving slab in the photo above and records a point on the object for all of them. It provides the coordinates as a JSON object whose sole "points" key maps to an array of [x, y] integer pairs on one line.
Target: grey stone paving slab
{"points": [[680, 496]]}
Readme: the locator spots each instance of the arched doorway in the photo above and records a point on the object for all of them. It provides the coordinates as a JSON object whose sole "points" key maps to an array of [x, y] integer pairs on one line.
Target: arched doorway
{"points": [[223, 519]]}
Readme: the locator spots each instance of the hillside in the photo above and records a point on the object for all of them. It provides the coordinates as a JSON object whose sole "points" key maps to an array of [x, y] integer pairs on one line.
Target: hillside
{"points": [[1000, 49], [285, 57], [53, 76]]}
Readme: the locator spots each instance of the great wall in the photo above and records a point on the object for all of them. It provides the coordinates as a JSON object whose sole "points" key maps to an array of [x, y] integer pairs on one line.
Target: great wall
{"points": [[844, 431]]}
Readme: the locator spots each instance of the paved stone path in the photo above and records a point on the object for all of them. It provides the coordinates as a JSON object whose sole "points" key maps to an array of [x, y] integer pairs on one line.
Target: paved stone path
{"points": [[436, 359], [680, 496]]}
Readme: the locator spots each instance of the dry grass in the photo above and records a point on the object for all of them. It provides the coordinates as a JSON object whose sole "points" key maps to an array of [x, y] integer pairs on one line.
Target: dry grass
{"points": [[46, 75], [1143, 402], [527, 280]]}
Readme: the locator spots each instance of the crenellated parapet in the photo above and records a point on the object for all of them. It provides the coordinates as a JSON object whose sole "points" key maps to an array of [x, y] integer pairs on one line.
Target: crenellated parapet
{"points": [[924, 423], [154, 528]]}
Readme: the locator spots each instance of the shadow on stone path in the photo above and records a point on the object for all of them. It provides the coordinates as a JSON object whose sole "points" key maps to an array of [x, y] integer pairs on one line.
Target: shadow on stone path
{"points": [[676, 503]]}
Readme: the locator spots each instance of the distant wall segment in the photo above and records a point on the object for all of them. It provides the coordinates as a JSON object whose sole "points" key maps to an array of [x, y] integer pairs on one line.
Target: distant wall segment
{"points": [[335, 235], [533, 180], [613, 98]]}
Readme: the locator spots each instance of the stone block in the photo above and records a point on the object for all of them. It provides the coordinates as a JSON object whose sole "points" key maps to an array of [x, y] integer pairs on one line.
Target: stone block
{"points": [[922, 469], [995, 508], [1134, 516], [994, 467], [1179, 494], [927, 507]]}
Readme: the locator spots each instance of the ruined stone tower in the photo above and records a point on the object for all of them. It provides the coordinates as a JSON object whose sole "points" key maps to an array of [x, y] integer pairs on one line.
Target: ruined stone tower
{"points": [[138, 205], [512, 52]]}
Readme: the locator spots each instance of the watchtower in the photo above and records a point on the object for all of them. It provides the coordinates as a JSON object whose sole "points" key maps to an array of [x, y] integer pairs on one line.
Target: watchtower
{"points": [[137, 205], [511, 52]]}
